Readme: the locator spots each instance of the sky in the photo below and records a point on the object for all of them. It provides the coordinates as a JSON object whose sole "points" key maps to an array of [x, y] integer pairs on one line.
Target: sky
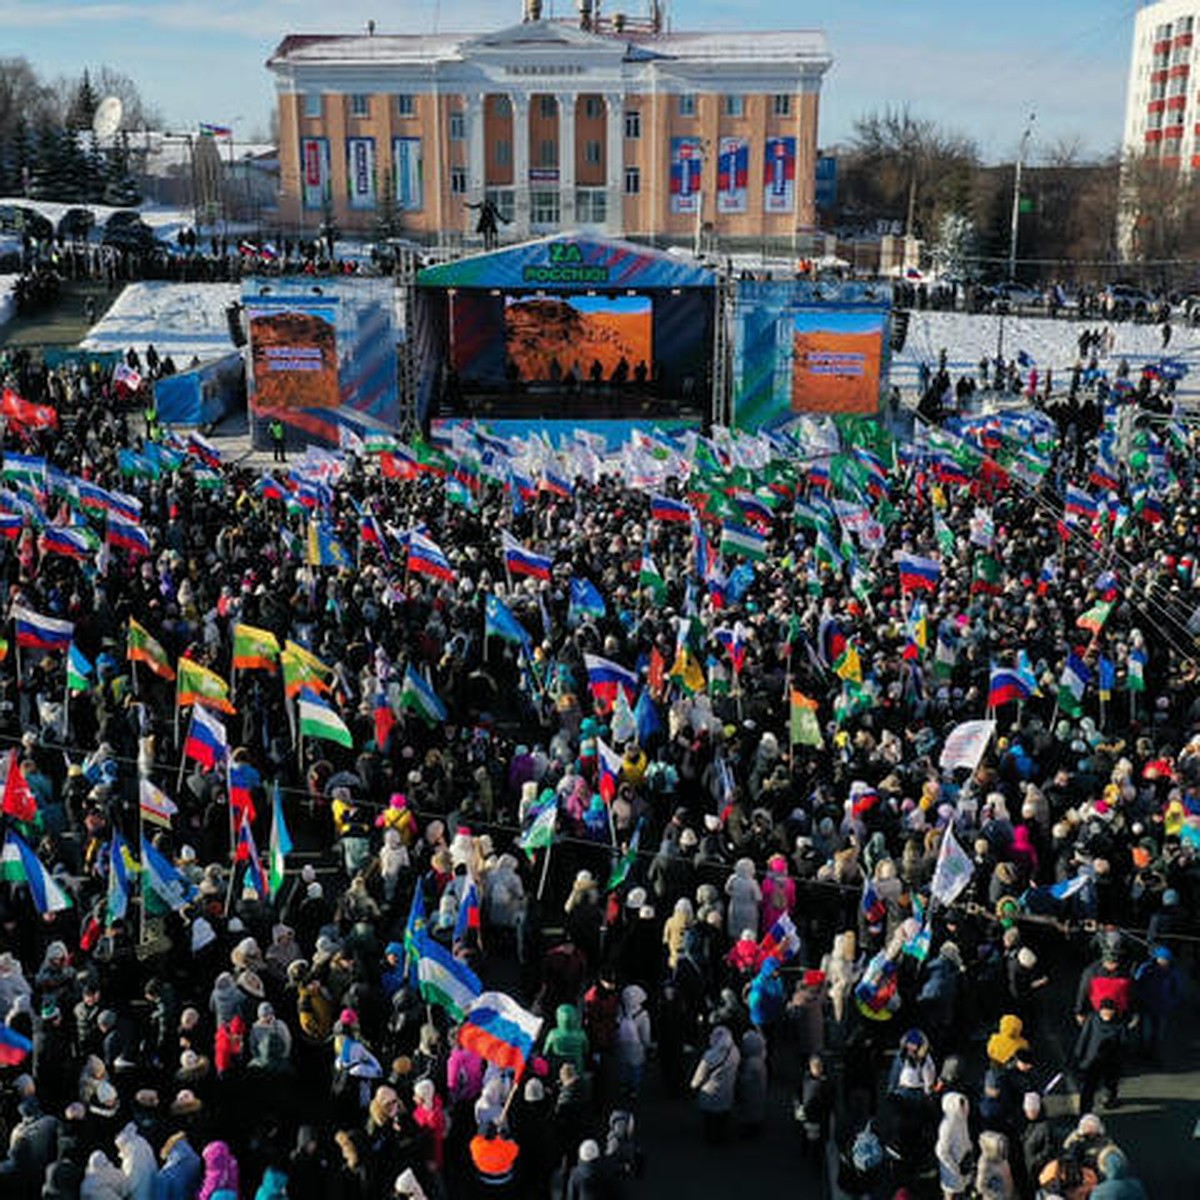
{"points": [[978, 69]]}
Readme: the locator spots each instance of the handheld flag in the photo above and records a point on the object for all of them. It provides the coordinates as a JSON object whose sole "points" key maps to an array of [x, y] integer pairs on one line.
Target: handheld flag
{"points": [[36, 632], [254, 649], [117, 900], [281, 844], [155, 805], [246, 851], [540, 832], [160, 876], [498, 621], [317, 719], [79, 670], [19, 802], [141, 647], [500, 1031], [206, 741], [48, 895], [605, 677], [196, 684], [586, 600], [520, 561], [419, 696], [468, 918], [444, 980], [953, 870]]}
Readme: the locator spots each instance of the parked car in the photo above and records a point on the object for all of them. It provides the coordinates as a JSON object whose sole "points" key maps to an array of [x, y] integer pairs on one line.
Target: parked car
{"points": [[134, 236], [122, 217], [20, 218], [76, 223], [1010, 297], [1123, 300]]}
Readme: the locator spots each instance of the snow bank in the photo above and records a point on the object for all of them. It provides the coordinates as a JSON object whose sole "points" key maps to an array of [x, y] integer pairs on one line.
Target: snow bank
{"points": [[181, 319], [8, 305]]}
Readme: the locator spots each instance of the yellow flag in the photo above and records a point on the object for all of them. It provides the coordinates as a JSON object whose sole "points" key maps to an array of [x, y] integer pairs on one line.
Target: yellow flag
{"points": [[198, 685]]}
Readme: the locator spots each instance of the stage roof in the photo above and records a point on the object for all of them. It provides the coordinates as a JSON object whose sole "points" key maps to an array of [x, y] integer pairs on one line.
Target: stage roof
{"points": [[569, 263]]}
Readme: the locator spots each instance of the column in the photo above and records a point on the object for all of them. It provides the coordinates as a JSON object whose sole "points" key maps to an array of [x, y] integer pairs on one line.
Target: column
{"points": [[614, 162], [520, 134], [476, 162], [566, 162]]}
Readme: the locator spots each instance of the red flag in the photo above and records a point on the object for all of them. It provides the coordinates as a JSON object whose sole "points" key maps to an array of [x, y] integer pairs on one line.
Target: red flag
{"points": [[18, 799], [657, 676], [18, 411]]}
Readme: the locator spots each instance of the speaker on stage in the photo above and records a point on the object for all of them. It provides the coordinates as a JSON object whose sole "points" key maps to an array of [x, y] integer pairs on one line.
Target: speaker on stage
{"points": [[233, 317]]}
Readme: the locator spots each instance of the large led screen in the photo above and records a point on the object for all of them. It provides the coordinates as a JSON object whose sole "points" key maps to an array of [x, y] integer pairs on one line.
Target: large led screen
{"points": [[836, 359]]}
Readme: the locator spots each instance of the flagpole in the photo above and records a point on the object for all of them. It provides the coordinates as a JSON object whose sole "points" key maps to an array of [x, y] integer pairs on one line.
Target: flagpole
{"points": [[232, 830], [545, 871]]}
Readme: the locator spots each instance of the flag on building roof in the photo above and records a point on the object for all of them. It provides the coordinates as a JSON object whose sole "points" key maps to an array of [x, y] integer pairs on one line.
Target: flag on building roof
{"points": [[196, 684], [418, 695], [500, 1031], [154, 804], [254, 649], [318, 720], [22, 864], [445, 980], [520, 561], [141, 647], [37, 632], [206, 742], [426, 558]]}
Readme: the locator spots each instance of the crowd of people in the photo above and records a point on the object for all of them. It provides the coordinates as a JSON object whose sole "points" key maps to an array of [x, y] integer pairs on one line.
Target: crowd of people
{"points": [[676, 777]]}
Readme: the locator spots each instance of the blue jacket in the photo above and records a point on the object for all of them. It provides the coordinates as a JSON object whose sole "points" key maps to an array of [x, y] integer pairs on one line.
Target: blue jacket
{"points": [[181, 1174]]}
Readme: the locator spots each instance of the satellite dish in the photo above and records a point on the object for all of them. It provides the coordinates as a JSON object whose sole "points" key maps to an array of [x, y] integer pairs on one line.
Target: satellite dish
{"points": [[107, 118]]}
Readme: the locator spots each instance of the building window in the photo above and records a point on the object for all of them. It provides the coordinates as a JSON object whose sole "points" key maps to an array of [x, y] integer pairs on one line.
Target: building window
{"points": [[360, 105], [503, 108], [405, 106], [592, 153], [547, 153], [735, 106], [783, 105], [458, 181], [633, 181], [503, 199], [548, 105], [633, 124], [458, 126], [591, 206], [687, 104], [503, 152], [592, 108], [312, 104], [543, 207]]}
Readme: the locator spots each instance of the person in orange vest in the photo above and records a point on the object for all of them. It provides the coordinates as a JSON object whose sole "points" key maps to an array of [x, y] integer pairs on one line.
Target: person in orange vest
{"points": [[494, 1157]]}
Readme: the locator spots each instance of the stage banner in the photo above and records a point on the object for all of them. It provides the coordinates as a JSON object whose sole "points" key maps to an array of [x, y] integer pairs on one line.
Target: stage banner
{"points": [[836, 360], [779, 175], [360, 172], [314, 172], [410, 178], [293, 352], [687, 163], [733, 175]]}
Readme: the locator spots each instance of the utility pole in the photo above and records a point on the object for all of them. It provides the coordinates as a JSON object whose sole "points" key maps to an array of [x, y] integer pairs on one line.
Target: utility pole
{"points": [[1016, 200]]}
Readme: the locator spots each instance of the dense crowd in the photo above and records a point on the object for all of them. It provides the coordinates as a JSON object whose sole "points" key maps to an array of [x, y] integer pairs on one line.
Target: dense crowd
{"points": [[759, 892]]}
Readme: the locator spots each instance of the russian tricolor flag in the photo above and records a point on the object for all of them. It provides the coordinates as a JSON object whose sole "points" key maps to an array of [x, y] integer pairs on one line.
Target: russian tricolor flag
{"points": [[610, 771], [1006, 687], [247, 852], [918, 573], [206, 741], [13, 1047], [468, 914], [36, 632], [555, 484], [605, 677], [500, 1031], [520, 561], [243, 779], [1079, 503], [425, 558], [782, 940], [127, 536], [663, 508], [71, 543], [11, 525]]}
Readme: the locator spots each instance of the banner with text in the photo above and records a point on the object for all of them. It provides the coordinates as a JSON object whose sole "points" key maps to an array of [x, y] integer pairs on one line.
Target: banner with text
{"points": [[687, 162], [779, 175], [314, 172], [293, 353], [409, 167], [733, 175], [360, 171]]}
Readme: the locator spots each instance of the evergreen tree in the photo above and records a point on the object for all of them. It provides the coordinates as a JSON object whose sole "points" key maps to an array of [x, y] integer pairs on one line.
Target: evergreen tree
{"points": [[83, 104], [120, 187]]}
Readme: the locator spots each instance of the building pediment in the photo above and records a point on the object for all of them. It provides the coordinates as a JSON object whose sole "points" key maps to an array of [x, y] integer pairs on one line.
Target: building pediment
{"points": [[542, 39]]}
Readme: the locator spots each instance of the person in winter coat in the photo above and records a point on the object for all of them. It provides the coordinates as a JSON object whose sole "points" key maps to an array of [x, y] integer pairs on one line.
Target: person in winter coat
{"points": [[938, 999], [778, 891], [1115, 1181], [634, 1041], [137, 1163], [503, 894], [744, 896], [429, 1115], [567, 1042], [1098, 1054], [182, 1170], [993, 1176], [751, 1094], [1158, 992], [953, 1146], [842, 967], [274, 1185], [1038, 1144], [591, 1176], [714, 1082], [220, 1173], [102, 1180]]}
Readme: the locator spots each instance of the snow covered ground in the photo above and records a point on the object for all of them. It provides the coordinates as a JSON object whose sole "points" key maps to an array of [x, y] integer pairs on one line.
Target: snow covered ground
{"points": [[7, 303], [181, 319], [1050, 343]]}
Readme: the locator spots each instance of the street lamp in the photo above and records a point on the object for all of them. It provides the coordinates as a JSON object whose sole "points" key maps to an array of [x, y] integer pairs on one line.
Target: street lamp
{"points": [[191, 145], [1016, 200]]}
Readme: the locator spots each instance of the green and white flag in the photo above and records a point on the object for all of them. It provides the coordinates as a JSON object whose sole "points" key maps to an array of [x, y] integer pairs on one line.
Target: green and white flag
{"points": [[740, 539], [541, 832], [953, 871], [1073, 685], [79, 670], [420, 697], [650, 577], [318, 720], [444, 980]]}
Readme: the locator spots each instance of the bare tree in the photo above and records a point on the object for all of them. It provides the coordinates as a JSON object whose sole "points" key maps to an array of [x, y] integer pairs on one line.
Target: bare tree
{"points": [[1158, 208], [24, 99]]}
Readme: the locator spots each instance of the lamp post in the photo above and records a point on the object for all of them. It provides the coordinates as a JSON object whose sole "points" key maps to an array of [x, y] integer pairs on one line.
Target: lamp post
{"points": [[1014, 225], [191, 145]]}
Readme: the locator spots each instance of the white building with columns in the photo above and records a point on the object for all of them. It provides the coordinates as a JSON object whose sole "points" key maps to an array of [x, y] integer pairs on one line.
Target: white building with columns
{"points": [[618, 128]]}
